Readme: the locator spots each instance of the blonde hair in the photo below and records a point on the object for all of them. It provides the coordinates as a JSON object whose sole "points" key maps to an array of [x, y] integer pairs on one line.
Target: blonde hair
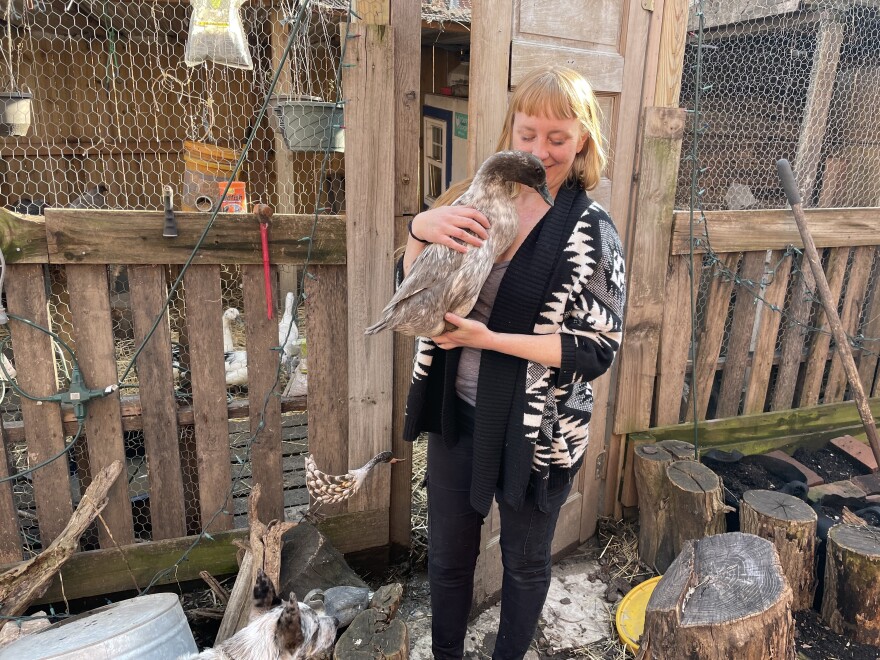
{"points": [[560, 93]]}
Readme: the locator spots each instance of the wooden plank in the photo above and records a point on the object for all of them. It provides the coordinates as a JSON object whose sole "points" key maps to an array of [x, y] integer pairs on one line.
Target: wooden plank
{"points": [[817, 356], [491, 28], [604, 70], [765, 336], [815, 120], [156, 386], [673, 34], [374, 12], [784, 429], [675, 341], [204, 309], [856, 285], [327, 329], [90, 312], [135, 237], [369, 86], [108, 571], [23, 238], [35, 360], [661, 149], [263, 369], [285, 177], [724, 12], [870, 332], [351, 532], [741, 327], [10, 537], [775, 229], [711, 335], [406, 19], [800, 306]]}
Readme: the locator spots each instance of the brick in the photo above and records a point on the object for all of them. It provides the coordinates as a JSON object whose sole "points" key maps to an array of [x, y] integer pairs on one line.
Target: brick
{"points": [[813, 479], [870, 483], [842, 488], [859, 451]]}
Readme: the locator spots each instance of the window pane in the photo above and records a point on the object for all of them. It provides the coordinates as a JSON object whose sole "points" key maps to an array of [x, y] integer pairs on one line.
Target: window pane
{"points": [[435, 181], [436, 143]]}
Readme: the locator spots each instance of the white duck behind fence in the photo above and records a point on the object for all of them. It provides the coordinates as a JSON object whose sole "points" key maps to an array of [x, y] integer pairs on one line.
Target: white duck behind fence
{"points": [[443, 280]]}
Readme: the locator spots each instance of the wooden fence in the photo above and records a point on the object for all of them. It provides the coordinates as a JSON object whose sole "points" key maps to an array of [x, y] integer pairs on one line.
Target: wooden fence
{"points": [[190, 474]]}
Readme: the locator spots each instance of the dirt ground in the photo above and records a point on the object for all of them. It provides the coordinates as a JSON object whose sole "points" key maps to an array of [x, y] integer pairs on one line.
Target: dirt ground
{"points": [[829, 464]]}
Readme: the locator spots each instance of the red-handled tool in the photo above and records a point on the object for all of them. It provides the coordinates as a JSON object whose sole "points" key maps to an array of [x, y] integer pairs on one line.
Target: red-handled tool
{"points": [[264, 213]]}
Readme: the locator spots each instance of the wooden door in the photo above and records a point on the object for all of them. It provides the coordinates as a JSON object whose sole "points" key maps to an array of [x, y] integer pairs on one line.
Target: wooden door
{"points": [[605, 40]]}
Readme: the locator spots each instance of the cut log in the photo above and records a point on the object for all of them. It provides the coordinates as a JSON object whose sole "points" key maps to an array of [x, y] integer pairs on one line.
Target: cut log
{"points": [[851, 600], [29, 580], [790, 525], [655, 532], [371, 637], [723, 597], [696, 506], [309, 561]]}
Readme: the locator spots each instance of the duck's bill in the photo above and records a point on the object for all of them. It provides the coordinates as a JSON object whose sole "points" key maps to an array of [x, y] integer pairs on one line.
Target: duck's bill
{"points": [[544, 192]]}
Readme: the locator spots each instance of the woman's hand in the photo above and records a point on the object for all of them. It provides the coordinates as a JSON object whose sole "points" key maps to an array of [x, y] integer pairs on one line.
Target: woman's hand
{"points": [[444, 224], [467, 332]]}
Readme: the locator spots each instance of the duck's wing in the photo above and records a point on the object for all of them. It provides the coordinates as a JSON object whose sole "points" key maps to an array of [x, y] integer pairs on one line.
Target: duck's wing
{"points": [[430, 269]]}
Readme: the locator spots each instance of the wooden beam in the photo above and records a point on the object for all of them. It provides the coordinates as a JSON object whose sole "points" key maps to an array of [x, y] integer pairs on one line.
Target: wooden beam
{"points": [[775, 229], [661, 149], [135, 237], [491, 29], [369, 87], [815, 121], [673, 34], [23, 238], [405, 19], [99, 572]]}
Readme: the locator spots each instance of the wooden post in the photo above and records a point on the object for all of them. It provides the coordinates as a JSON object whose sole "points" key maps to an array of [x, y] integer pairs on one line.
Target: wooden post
{"points": [[652, 484], [790, 525], [696, 505], [852, 583], [368, 81], [723, 597], [406, 21]]}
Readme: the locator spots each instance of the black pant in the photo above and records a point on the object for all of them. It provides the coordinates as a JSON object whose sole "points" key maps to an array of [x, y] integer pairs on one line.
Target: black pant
{"points": [[453, 546]]}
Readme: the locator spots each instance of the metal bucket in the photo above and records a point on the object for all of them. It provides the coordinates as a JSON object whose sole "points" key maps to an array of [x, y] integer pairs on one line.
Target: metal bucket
{"points": [[307, 123], [150, 627]]}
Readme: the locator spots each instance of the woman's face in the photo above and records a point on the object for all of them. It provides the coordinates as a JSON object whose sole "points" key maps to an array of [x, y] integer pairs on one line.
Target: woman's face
{"points": [[555, 142]]}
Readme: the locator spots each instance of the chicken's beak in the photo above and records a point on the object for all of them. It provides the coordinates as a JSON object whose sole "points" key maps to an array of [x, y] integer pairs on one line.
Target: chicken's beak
{"points": [[544, 192]]}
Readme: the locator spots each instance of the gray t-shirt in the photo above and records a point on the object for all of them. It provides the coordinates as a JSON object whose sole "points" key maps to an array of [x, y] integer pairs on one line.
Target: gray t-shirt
{"points": [[469, 365]]}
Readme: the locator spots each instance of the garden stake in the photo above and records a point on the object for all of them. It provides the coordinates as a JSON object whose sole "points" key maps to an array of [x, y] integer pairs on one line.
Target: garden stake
{"points": [[840, 338], [264, 212]]}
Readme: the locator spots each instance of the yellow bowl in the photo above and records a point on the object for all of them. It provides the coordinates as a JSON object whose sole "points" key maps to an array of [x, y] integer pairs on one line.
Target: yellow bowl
{"points": [[630, 618]]}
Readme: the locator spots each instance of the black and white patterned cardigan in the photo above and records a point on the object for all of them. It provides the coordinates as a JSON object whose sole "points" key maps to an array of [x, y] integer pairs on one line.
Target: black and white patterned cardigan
{"points": [[532, 421]]}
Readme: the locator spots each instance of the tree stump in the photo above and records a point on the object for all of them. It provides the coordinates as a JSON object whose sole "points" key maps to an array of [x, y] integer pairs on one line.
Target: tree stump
{"points": [[851, 600], [723, 597], [696, 506], [371, 637], [790, 525], [655, 532]]}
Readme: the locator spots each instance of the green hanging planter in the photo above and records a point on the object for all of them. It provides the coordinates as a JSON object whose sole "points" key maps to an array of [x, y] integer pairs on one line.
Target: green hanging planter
{"points": [[307, 123]]}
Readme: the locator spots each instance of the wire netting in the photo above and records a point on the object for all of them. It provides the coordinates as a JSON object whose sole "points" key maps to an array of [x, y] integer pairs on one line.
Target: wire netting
{"points": [[764, 81], [114, 115]]}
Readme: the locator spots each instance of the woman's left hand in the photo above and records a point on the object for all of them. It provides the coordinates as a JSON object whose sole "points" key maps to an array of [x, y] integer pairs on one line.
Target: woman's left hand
{"points": [[467, 332]]}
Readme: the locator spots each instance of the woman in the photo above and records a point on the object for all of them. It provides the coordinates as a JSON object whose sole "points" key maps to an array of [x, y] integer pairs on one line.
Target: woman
{"points": [[506, 396]]}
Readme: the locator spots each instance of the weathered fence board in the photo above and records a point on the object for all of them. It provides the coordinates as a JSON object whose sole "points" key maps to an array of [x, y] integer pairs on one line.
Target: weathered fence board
{"points": [[712, 333], [740, 334], [263, 362], [871, 342], [856, 284], [156, 386], [766, 333], [821, 341], [93, 327], [22, 238], [135, 237], [10, 539], [791, 350], [204, 311], [35, 355]]}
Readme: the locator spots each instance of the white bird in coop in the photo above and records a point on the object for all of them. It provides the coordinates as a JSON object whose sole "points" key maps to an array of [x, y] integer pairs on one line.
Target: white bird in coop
{"points": [[91, 199], [288, 335], [228, 317], [7, 365], [330, 489]]}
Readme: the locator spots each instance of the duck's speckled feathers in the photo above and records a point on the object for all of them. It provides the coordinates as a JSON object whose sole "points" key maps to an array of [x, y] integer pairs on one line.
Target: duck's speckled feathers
{"points": [[443, 280]]}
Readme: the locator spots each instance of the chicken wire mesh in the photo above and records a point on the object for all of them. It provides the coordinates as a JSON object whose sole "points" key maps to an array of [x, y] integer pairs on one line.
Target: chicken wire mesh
{"points": [[115, 115], [763, 81]]}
